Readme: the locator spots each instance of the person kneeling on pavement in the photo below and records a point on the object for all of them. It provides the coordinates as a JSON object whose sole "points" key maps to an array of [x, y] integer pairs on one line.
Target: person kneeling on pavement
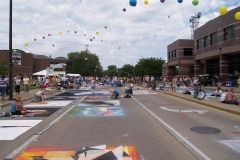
{"points": [[115, 94], [39, 96]]}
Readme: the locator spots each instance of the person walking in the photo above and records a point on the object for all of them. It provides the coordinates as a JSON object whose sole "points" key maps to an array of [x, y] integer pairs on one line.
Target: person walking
{"points": [[3, 86], [17, 84], [26, 84], [238, 82], [93, 86]]}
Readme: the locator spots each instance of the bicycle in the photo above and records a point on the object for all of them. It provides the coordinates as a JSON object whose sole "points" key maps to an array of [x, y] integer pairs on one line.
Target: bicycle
{"points": [[199, 93]]}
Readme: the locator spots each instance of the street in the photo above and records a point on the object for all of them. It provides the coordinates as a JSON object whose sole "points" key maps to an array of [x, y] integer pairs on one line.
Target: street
{"points": [[148, 126]]}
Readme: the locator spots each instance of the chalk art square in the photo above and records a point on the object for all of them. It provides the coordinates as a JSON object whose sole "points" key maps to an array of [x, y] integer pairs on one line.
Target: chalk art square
{"points": [[11, 129], [48, 104], [97, 111], [233, 144]]}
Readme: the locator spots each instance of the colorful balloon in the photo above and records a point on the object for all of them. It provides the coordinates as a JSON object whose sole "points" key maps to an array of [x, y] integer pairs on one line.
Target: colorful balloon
{"points": [[223, 10], [133, 3], [75, 32], [195, 2], [91, 39], [162, 1], [49, 34], [180, 1], [146, 2], [68, 31], [53, 45], [237, 16], [97, 33], [85, 35], [43, 37], [26, 44], [35, 39], [105, 27], [124, 10]]}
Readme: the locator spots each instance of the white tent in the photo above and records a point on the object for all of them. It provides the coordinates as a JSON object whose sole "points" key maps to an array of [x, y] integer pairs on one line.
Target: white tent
{"points": [[40, 73], [73, 75]]}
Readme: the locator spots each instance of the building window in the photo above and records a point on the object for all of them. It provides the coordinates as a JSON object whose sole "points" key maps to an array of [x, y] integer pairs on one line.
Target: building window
{"points": [[228, 33], [172, 54], [213, 38], [188, 51], [169, 55], [199, 43], [205, 41], [175, 53]]}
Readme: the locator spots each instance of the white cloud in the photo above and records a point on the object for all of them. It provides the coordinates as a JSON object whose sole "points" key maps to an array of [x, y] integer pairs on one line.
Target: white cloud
{"points": [[141, 31]]}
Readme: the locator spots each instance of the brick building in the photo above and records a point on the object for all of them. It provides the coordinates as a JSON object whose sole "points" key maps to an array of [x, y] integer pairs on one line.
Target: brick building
{"points": [[216, 50], [217, 47], [28, 63], [22, 61], [180, 59]]}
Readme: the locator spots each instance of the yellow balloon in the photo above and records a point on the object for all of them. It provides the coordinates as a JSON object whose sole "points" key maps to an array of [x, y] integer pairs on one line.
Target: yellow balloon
{"points": [[97, 33], [146, 2], [223, 10], [26, 45], [237, 16]]}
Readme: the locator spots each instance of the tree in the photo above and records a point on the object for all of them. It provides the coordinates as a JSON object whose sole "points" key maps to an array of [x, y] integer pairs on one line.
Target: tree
{"points": [[112, 71], [149, 66], [84, 63], [3, 68], [126, 71]]}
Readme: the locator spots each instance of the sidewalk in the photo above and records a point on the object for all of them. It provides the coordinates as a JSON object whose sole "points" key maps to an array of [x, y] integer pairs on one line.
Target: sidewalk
{"points": [[210, 102], [24, 96]]}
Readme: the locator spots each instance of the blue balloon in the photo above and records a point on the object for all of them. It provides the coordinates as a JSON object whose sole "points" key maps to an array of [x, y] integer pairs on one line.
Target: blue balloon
{"points": [[180, 1], [133, 3]]}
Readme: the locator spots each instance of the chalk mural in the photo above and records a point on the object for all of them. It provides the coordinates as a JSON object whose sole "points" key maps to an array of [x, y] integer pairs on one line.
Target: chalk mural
{"points": [[103, 98], [11, 129], [102, 152], [48, 104], [142, 92], [97, 111], [40, 112], [100, 103]]}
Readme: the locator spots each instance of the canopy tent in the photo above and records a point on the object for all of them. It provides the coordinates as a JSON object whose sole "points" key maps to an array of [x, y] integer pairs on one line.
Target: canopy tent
{"points": [[73, 75], [40, 73]]}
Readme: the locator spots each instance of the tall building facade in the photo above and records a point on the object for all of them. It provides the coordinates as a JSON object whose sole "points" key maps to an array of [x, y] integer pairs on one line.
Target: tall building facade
{"points": [[216, 50], [180, 59], [217, 47]]}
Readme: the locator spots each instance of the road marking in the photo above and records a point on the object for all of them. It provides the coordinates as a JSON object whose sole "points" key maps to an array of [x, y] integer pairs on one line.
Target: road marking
{"points": [[191, 147], [185, 111], [18, 150]]}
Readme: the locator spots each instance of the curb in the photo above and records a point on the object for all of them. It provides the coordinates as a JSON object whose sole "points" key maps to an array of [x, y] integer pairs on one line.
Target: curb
{"points": [[206, 104]]}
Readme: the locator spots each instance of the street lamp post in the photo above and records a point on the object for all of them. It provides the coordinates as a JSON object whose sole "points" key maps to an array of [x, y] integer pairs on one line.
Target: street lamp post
{"points": [[10, 54]]}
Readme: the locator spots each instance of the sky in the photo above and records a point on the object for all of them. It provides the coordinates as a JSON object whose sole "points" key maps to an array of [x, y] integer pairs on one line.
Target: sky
{"points": [[118, 37]]}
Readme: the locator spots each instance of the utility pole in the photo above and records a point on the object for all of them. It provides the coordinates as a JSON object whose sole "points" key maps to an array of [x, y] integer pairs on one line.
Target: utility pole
{"points": [[10, 54], [194, 21], [87, 47]]}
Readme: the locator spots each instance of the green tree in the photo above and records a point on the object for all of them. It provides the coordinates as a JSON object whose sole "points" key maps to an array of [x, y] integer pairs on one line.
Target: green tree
{"points": [[126, 71], [3, 68], [84, 63], [149, 66], [112, 70]]}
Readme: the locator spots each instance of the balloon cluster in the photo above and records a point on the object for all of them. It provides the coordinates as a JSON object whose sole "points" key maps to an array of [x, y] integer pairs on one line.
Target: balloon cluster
{"points": [[223, 11], [133, 3], [35, 40]]}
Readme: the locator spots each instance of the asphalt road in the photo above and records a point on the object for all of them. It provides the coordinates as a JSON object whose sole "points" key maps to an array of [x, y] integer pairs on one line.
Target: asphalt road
{"points": [[158, 126], [217, 128]]}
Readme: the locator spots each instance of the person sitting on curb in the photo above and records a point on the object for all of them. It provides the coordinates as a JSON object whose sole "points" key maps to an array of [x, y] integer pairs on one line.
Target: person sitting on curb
{"points": [[231, 98], [16, 107], [186, 90], [39, 96]]}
